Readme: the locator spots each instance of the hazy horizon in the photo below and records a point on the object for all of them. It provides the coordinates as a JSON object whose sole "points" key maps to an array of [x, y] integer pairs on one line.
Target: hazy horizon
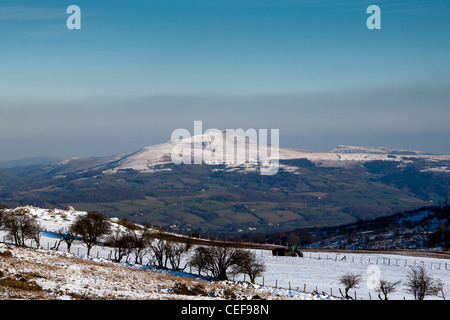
{"points": [[138, 70]]}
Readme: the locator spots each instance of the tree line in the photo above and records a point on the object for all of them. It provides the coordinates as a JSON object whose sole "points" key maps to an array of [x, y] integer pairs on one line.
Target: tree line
{"points": [[129, 240]]}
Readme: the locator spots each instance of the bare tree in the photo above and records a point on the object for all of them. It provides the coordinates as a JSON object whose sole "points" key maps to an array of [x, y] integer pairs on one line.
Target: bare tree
{"points": [[349, 281], [34, 231], [386, 287], [175, 252], [122, 242], [420, 284], [440, 288], [141, 242], [21, 226], [247, 263], [221, 259], [200, 258], [218, 260], [68, 236], [2, 215], [158, 248], [92, 227]]}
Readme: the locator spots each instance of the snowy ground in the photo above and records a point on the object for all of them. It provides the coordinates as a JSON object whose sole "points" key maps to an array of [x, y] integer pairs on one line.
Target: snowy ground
{"points": [[285, 277], [324, 273]]}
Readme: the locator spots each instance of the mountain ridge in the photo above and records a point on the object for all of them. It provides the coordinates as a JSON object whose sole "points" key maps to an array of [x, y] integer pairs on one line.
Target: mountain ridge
{"points": [[310, 188], [148, 159]]}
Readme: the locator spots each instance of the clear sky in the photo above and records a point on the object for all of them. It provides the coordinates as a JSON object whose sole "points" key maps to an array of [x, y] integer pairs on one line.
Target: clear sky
{"points": [[139, 69]]}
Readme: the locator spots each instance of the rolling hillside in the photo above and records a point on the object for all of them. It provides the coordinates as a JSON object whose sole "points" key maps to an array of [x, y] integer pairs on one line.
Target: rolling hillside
{"points": [[310, 189]]}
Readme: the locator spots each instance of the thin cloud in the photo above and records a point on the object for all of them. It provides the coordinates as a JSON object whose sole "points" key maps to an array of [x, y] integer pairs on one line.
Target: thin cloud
{"points": [[31, 13]]}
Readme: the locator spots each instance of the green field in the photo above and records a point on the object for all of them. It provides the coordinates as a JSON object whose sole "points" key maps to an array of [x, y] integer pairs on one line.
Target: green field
{"points": [[198, 198]]}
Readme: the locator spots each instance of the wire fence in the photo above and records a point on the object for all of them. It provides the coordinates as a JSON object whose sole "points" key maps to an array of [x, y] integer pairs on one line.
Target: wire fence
{"points": [[102, 252], [388, 261]]}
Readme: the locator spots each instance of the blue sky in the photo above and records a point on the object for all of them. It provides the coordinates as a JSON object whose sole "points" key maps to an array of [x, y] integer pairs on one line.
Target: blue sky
{"points": [[137, 70]]}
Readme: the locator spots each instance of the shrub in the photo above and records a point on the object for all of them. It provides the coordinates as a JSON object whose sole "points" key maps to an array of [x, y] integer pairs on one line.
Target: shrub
{"points": [[349, 281], [420, 284]]}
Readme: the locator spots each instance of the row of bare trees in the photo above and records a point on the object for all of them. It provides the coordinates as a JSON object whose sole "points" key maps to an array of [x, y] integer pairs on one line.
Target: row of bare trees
{"points": [[419, 283], [130, 241]]}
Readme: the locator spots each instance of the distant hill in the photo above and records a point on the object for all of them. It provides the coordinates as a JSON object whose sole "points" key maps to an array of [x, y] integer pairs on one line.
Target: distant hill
{"points": [[376, 150], [40, 161], [310, 189]]}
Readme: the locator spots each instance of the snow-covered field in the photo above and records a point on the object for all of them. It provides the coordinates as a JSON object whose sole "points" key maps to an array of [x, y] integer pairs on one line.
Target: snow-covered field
{"points": [[323, 273], [284, 278]]}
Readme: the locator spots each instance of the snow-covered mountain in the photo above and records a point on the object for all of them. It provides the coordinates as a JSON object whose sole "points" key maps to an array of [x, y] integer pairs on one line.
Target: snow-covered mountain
{"points": [[212, 150]]}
